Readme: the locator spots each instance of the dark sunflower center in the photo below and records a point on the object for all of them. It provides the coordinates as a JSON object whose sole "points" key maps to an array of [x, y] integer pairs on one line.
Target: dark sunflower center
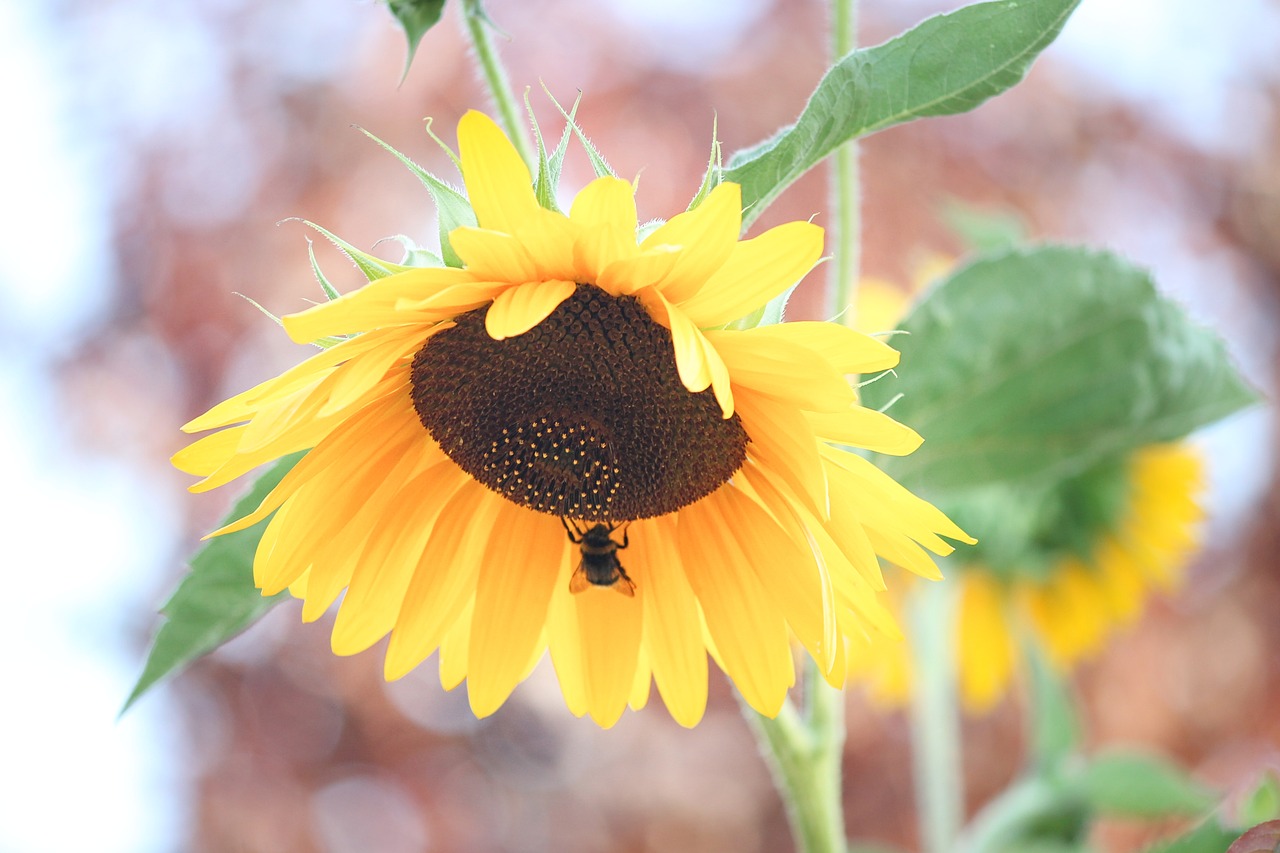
{"points": [[583, 416]]}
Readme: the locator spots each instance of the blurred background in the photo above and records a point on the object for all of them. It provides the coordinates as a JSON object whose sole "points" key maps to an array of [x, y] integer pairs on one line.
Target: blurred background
{"points": [[152, 151]]}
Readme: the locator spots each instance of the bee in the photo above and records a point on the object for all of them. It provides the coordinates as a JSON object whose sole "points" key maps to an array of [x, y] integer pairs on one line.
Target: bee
{"points": [[599, 565]]}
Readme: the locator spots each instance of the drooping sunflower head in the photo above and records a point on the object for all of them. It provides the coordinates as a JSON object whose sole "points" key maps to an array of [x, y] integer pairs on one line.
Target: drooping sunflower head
{"points": [[1104, 542], [496, 449]]}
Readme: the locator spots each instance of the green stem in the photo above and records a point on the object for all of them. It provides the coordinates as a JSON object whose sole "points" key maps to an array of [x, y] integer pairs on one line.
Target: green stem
{"points": [[845, 201], [803, 751], [495, 77], [935, 717]]}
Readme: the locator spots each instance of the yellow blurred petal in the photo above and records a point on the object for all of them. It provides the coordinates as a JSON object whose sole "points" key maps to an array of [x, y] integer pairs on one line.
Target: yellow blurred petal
{"points": [[519, 309], [984, 642], [499, 186], [758, 270]]}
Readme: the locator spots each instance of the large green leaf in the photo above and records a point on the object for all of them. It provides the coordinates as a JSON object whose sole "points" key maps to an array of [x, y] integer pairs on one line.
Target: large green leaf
{"points": [[948, 64], [217, 599], [1030, 366], [1135, 784]]}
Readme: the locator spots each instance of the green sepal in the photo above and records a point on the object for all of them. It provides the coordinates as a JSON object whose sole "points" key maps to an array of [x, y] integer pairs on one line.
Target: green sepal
{"points": [[452, 208], [599, 165], [415, 257], [217, 599], [415, 18], [330, 292], [715, 168], [372, 268], [948, 64], [550, 165], [1140, 785], [1028, 367]]}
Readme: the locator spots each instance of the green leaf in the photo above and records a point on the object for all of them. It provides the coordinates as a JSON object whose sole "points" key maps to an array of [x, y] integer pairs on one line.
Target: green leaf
{"points": [[1134, 784], [948, 64], [217, 599], [1209, 837], [984, 230], [452, 208], [1055, 726], [415, 17], [1263, 802], [1031, 366]]}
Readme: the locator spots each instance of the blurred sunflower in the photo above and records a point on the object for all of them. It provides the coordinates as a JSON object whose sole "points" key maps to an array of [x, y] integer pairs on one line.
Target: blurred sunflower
{"points": [[497, 451], [1101, 543]]}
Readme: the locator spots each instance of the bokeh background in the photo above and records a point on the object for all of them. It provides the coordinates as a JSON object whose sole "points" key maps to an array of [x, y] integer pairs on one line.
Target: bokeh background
{"points": [[152, 152]]}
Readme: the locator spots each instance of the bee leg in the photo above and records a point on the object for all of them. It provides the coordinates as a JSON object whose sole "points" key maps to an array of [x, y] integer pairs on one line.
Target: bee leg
{"points": [[564, 522]]}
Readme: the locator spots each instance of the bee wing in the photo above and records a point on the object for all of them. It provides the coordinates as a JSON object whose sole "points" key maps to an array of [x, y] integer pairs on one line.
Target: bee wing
{"points": [[624, 585], [579, 582]]}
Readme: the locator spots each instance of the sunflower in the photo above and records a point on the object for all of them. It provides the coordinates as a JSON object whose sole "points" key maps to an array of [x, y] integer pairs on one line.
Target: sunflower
{"points": [[1106, 540], [558, 446]]}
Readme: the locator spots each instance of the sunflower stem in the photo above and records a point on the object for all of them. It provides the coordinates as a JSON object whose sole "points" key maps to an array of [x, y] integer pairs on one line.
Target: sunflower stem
{"points": [[495, 77], [803, 751], [846, 194], [935, 717]]}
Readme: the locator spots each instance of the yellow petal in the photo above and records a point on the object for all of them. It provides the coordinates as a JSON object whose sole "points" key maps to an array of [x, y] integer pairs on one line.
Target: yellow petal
{"points": [[206, 455], [758, 270], [517, 574], [444, 578], [865, 428], [782, 441], [748, 629], [499, 186], [707, 236], [782, 370], [848, 351], [372, 306], [697, 362], [565, 644], [519, 309], [372, 603], [789, 576], [673, 628], [493, 255], [632, 273], [609, 626], [606, 202]]}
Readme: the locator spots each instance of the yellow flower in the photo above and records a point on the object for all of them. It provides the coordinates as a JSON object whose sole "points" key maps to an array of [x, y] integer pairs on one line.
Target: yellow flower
{"points": [[498, 451], [1123, 531]]}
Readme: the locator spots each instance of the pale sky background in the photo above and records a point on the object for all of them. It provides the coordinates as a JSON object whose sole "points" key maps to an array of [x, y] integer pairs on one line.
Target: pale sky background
{"points": [[87, 538]]}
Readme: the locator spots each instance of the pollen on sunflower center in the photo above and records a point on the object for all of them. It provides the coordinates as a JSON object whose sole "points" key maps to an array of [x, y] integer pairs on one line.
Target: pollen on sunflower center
{"points": [[583, 416]]}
